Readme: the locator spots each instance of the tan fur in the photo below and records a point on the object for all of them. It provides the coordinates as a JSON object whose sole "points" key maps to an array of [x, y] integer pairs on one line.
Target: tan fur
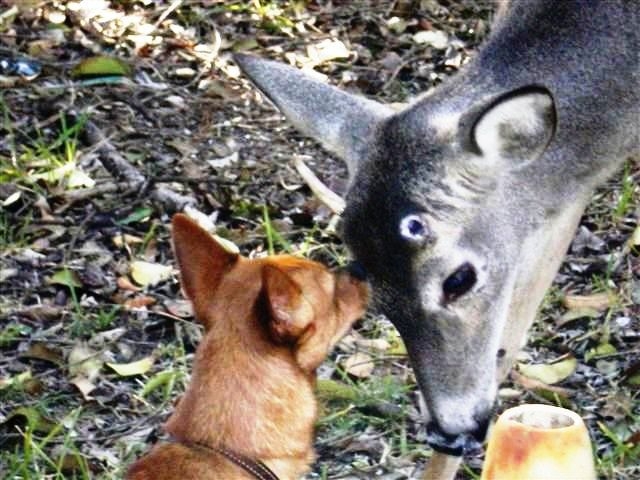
{"points": [[268, 325]]}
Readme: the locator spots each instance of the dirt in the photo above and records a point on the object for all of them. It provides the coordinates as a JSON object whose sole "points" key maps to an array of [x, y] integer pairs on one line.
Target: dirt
{"points": [[186, 122]]}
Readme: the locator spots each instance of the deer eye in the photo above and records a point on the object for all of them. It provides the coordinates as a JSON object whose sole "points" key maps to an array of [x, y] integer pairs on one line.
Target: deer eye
{"points": [[459, 282], [414, 228]]}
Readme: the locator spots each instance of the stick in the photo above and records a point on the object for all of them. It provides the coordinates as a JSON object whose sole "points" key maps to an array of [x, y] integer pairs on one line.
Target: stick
{"points": [[324, 194]]}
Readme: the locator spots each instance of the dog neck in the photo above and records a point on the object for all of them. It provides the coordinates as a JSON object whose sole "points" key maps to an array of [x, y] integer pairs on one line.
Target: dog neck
{"points": [[248, 395]]}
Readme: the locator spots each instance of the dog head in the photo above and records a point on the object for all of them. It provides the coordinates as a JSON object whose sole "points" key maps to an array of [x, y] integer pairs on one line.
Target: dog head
{"points": [[298, 302]]}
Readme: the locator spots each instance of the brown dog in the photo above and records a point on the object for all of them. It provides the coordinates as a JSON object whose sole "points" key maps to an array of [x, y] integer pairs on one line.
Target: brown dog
{"points": [[250, 406]]}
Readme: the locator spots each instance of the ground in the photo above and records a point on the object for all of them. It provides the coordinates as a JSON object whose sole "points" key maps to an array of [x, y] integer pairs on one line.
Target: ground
{"points": [[97, 154]]}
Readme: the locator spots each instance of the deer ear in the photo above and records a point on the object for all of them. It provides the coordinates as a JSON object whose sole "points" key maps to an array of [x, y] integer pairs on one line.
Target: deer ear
{"points": [[342, 122], [201, 259], [289, 313], [516, 128]]}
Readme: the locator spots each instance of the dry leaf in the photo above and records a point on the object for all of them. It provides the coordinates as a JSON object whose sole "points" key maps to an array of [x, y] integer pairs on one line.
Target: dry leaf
{"points": [[134, 368], [124, 283], [324, 51], [576, 314], [377, 344], [141, 301], [549, 373], [15, 380], [359, 365], [121, 240], [149, 274], [434, 38], [531, 384], [65, 277], [596, 301], [84, 385], [40, 351], [84, 362]]}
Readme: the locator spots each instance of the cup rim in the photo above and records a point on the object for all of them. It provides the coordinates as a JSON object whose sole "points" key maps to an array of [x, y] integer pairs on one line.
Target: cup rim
{"points": [[557, 417]]}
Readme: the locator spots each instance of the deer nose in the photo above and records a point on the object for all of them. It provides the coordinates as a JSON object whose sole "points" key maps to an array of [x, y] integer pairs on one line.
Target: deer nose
{"points": [[356, 270], [457, 444]]}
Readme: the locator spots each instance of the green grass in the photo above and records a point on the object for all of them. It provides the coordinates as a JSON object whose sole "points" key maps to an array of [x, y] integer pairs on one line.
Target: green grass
{"points": [[46, 450], [624, 457], [14, 234], [38, 157], [86, 322], [625, 201], [273, 237]]}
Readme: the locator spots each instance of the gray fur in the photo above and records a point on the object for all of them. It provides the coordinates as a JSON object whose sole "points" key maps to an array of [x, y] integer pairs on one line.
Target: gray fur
{"points": [[510, 213]]}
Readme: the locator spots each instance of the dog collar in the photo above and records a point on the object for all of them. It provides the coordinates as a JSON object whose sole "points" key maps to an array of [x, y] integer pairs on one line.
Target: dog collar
{"points": [[256, 468]]}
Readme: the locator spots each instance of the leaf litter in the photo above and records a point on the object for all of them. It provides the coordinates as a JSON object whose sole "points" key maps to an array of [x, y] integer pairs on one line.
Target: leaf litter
{"points": [[98, 354]]}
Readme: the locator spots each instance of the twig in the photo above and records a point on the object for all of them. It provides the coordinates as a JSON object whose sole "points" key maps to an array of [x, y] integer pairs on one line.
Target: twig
{"points": [[173, 200], [113, 162], [120, 168], [175, 4], [325, 195]]}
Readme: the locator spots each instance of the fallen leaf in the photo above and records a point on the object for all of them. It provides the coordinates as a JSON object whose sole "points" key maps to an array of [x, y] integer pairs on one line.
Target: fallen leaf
{"points": [[15, 380], [377, 344], [139, 302], [397, 25], [70, 171], [600, 350], [224, 162], [434, 38], [84, 386], [149, 274], [325, 50], [14, 197], [84, 362], [576, 314], [40, 351], [124, 283], [138, 367], [596, 301], [121, 240], [65, 277], [549, 373], [79, 179], [105, 337], [359, 365], [537, 385], [101, 66]]}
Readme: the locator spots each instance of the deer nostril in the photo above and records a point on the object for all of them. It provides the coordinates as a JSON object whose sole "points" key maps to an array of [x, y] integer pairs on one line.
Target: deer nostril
{"points": [[459, 282]]}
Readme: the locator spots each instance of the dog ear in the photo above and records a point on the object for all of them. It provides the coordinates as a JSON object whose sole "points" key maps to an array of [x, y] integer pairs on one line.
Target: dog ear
{"points": [[290, 314], [201, 259]]}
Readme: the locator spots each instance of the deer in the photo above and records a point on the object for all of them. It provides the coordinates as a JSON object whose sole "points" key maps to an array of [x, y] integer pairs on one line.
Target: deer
{"points": [[460, 206]]}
